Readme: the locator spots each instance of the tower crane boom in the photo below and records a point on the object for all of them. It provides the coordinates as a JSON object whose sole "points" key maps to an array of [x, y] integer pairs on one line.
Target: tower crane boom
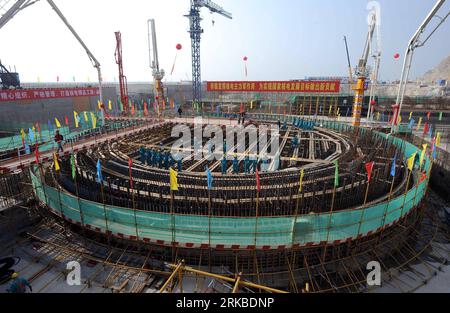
{"points": [[22, 4], [158, 74], [122, 78], [350, 75]]}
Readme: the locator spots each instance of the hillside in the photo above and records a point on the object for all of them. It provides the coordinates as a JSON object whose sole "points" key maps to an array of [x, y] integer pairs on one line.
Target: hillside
{"points": [[442, 71]]}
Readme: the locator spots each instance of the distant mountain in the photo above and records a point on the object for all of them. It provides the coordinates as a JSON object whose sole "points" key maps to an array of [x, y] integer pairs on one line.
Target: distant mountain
{"points": [[442, 71]]}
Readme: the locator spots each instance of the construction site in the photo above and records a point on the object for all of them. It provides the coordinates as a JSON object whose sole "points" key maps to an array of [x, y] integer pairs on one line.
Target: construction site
{"points": [[296, 186]]}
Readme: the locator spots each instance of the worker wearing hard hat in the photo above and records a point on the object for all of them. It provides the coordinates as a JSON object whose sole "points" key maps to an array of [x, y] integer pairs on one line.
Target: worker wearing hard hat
{"points": [[19, 284]]}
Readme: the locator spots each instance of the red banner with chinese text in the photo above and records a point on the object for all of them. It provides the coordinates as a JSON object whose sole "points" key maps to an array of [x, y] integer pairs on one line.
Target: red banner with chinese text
{"points": [[305, 86], [52, 93]]}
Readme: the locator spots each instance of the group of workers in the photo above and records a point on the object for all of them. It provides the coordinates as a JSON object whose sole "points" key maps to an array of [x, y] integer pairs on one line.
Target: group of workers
{"points": [[159, 158], [302, 124], [250, 165], [163, 159]]}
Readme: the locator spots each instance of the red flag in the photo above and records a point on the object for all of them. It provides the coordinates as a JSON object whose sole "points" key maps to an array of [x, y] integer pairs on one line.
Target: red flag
{"points": [[67, 121], [426, 128], [36, 152], [258, 183], [145, 108], [369, 168], [428, 115], [130, 164], [423, 177]]}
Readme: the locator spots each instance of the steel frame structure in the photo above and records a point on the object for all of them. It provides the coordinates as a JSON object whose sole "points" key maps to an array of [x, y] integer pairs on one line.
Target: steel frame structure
{"points": [[195, 31], [409, 53]]}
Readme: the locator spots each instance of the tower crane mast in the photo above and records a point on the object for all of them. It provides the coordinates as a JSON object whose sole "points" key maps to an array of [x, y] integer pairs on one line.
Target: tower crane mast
{"points": [[362, 72], [122, 77], [195, 31]]}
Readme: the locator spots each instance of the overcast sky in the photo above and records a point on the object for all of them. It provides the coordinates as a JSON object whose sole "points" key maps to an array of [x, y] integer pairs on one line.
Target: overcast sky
{"points": [[283, 39]]}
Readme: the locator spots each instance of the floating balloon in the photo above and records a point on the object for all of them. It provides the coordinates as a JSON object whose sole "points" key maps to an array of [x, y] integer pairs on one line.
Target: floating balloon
{"points": [[396, 56], [373, 102], [179, 47], [245, 60]]}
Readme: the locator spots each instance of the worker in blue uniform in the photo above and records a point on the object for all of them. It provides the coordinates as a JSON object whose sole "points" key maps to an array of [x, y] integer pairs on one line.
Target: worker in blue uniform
{"points": [[224, 165], [149, 155], [160, 159], [254, 165], [166, 160], [142, 152], [295, 142], [247, 164], [155, 158], [235, 165], [19, 284]]}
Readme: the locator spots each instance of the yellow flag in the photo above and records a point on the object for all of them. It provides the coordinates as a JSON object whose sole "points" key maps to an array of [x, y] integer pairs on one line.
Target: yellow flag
{"points": [[94, 120], [110, 105], [339, 117], [58, 124], [75, 117], [338, 111], [22, 133], [34, 129], [99, 104], [438, 140], [173, 180], [418, 124], [329, 110], [399, 119], [410, 161], [55, 159], [302, 173], [86, 116], [422, 155], [410, 116]]}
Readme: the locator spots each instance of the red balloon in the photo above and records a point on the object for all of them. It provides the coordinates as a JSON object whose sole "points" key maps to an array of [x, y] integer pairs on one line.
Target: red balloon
{"points": [[396, 55], [179, 46], [373, 102], [245, 58]]}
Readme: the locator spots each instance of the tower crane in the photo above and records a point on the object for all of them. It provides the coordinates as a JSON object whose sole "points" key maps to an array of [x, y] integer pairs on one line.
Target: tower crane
{"points": [[362, 72], [122, 77], [195, 31], [22, 4], [158, 74], [350, 71], [374, 78]]}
